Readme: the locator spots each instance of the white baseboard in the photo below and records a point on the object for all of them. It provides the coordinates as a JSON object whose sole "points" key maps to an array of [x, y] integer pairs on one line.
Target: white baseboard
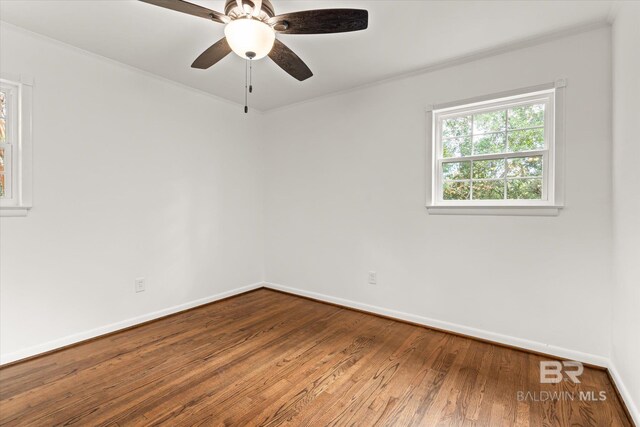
{"points": [[92, 333], [624, 393], [560, 352]]}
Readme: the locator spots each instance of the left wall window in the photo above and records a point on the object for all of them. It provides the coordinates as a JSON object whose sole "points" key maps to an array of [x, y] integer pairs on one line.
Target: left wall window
{"points": [[15, 146]]}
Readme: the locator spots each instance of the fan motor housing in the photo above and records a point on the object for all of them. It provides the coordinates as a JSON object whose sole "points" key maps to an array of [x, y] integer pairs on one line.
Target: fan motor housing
{"points": [[231, 8]]}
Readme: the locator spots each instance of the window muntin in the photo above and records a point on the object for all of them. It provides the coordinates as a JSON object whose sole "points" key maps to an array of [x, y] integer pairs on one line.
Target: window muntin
{"points": [[494, 153]]}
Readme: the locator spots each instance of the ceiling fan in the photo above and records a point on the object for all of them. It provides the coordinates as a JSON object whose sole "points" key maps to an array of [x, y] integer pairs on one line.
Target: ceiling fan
{"points": [[251, 27]]}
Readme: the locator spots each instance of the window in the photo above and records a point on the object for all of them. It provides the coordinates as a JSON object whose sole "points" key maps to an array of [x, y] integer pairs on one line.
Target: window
{"points": [[495, 153], [15, 147]]}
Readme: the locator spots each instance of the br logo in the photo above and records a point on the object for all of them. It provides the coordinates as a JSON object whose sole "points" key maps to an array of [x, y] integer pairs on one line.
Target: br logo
{"points": [[553, 372]]}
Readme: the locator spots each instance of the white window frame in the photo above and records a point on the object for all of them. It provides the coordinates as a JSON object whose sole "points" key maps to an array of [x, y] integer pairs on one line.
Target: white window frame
{"points": [[553, 154], [19, 146]]}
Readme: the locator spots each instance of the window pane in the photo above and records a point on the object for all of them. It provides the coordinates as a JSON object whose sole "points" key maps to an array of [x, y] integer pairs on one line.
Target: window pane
{"points": [[489, 144], [494, 121], [523, 140], [2, 179], [526, 116], [456, 170], [456, 191], [457, 126], [488, 190], [524, 167], [524, 189], [456, 147], [483, 169], [3, 116]]}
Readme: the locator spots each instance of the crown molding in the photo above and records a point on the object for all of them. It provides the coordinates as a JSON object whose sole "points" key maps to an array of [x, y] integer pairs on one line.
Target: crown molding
{"points": [[119, 64], [459, 60]]}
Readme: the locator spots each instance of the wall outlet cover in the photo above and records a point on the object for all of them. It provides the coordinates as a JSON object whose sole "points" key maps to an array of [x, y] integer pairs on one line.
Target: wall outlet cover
{"points": [[373, 278], [140, 285]]}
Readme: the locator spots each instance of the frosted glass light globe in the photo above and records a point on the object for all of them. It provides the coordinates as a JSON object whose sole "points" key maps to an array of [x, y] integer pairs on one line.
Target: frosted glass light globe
{"points": [[250, 35]]}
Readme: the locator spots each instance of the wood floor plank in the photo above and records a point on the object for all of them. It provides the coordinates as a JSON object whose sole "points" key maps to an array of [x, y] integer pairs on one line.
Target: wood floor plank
{"points": [[268, 359]]}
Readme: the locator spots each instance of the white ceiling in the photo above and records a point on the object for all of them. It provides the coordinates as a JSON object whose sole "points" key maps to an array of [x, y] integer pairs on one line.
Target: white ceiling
{"points": [[403, 36]]}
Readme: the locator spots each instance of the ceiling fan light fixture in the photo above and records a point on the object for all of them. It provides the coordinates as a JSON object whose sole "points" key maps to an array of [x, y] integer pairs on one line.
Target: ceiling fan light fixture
{"points": [[247, 36]]}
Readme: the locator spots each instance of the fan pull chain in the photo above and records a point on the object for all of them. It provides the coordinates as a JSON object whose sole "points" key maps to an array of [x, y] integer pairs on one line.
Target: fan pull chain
{"points": [[250, 75], [246, 103], [248, 80]]}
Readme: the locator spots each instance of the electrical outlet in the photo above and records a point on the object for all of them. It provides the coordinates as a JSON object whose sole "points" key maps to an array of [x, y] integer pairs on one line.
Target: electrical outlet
{"points": [[140, 285], [373, 278]]}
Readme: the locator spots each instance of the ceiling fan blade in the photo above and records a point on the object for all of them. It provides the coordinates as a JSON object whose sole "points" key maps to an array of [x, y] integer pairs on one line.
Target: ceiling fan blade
{"points": [[215, 53], [289, 61], [190, 8], [323, 21]]}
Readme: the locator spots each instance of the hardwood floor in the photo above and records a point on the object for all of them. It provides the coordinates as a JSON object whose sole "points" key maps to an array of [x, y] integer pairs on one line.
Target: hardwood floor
{"points": [[267, 358]]}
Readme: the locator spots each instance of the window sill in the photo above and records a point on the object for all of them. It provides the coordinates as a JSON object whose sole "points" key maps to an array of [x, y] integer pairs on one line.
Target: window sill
{"points": [[13, 211], [495, 210]]}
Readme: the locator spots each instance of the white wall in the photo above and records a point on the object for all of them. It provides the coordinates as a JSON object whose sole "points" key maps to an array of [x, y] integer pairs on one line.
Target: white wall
{"points": [[345, 194], [626, 200], [134, 176]]}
